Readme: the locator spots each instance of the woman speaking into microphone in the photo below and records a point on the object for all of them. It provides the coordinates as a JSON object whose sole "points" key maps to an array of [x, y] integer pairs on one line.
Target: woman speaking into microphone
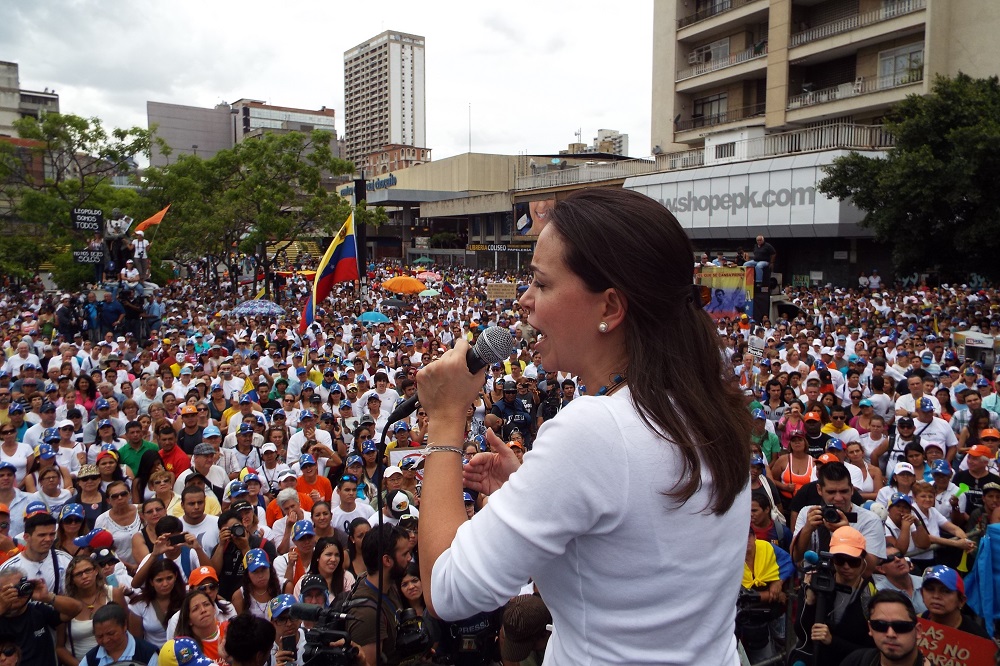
{"points": [[627, 510]]}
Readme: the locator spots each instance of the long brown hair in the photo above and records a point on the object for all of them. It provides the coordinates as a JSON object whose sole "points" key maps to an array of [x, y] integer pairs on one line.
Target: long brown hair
{"points": [[623, 240]]}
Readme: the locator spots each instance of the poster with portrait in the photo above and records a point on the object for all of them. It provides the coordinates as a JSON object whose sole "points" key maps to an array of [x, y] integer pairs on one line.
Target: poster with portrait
{"points": [[531, 216], [729, 290]]}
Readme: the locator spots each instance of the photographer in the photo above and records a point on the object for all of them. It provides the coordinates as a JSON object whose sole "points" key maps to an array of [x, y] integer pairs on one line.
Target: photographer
{"points": [[385, 549], [227, 558], [28, 611], [835, 622], [816, 524]]}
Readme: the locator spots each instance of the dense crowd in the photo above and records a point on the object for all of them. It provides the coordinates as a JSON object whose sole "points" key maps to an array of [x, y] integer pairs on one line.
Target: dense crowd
{"points": [[166, 465]]}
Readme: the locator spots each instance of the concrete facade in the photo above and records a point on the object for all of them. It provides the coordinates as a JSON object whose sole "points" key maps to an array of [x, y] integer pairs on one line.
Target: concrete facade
{"points": [[189, 130], [384, 95], [16, 103]]}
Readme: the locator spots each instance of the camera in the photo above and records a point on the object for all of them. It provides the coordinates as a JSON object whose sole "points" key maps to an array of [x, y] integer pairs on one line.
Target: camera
{"points": [[238, 530], [823, 574], [411, 639], [24, 588], [830, 514], [752, 618], [330, 626]]}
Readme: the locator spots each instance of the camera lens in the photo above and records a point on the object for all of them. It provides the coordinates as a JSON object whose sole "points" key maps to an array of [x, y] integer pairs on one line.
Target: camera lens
{"points": [[831, 515], [238, 531]]}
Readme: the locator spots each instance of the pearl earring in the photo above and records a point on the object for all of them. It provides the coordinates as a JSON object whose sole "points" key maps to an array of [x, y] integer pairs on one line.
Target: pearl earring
{"points": [[603, 327]]}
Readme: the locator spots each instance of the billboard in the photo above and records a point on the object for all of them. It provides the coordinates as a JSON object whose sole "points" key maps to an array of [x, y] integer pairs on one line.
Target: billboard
{"points": [[730, 290], [531, 216]]}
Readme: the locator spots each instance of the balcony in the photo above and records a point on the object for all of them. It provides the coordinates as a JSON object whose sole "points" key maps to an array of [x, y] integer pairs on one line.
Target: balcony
{"points": [[861, 86], [758, 50], [899, 8], [730, 116], [829, 137], [719, 7]]}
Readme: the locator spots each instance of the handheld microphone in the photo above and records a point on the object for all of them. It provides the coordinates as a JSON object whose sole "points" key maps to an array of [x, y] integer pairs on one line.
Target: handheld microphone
{"points": [[493, 345], [810, 557]]}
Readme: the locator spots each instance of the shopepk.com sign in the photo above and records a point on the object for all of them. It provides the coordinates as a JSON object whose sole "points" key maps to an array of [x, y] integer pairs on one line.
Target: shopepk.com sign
{"points": [[776, 197]]}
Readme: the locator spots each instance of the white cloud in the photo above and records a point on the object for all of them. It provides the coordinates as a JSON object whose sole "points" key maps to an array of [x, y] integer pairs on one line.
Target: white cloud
{"points": [[534, 71]]}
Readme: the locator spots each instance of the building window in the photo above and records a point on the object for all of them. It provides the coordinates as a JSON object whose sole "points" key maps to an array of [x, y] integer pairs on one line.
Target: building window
{"points": [[902, 65], [724, 150], [708, 110], [717, 50]]}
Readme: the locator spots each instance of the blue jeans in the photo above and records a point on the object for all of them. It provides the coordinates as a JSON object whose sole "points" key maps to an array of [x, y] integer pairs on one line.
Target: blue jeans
{"points": [[758, 267]]}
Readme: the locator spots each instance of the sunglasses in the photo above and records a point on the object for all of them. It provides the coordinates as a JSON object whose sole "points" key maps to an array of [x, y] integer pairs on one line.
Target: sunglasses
{"points": [[115, 496], [7, 432], [208, 587], [72, 520], [349, 477], [90, 478], [898, 626], [853, 562], [4, 525]]}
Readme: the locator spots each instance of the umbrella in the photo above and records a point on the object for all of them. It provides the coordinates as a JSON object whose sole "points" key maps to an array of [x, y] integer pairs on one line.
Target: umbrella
{"points": [[424, 260], [374, 318], [428, 275], [403, 284], [258, 307], [430, 292], [393, 303]]}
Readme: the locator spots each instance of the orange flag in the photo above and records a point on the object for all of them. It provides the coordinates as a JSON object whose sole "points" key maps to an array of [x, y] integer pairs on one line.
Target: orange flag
{"points": [[155, 219]]}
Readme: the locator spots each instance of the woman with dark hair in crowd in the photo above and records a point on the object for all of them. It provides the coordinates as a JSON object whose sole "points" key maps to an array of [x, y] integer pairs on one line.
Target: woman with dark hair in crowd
{"points": [[198, 620], [358, 529], [260, 584], [161, 597], [149, 463], [72, 523], [610, 266], [328, 564], [152, 511], [90, 496]]}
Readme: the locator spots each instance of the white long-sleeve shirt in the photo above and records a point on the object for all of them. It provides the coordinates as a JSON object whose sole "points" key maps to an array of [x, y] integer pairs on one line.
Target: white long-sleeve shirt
{"points": [[629, 577]]}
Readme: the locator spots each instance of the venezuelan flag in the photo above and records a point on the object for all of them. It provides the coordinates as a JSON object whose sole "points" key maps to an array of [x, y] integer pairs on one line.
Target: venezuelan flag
{"points": [[339, 264]]}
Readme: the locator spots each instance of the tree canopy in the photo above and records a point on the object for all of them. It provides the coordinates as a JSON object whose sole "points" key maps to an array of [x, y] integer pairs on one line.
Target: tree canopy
{"points": [[933, 198]]}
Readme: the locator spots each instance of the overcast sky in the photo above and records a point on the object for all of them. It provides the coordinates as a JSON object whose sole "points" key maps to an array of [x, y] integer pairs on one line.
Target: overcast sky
{"points": [[534, 71]]}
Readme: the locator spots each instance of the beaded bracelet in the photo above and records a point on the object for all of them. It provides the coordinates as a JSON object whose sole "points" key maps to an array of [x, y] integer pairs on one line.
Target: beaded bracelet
{"points": [[451, 449]]}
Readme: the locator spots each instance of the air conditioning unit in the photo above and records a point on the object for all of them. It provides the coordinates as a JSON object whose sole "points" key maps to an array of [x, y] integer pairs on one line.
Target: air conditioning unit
{"points": [[696, 57]]}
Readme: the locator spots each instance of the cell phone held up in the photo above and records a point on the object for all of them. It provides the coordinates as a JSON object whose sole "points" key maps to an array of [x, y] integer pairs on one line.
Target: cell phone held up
{"points": [[290, 643], [177, 539]]}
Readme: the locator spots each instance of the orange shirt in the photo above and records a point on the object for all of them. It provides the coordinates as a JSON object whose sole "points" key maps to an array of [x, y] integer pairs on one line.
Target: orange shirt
{"points": [[322, 486]]}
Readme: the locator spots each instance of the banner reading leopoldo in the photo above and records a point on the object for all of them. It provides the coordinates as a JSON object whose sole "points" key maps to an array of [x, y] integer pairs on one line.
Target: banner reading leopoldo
{"points": [[730, 290], [944, 645]]}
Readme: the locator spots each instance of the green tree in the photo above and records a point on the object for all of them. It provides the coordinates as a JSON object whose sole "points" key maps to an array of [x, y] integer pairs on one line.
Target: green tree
{"points": [[272, 189], [933, 198], [59, 163]]}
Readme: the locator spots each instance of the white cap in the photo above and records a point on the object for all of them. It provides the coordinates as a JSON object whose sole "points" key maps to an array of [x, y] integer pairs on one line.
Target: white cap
{"points": [[391, 471], [903, 467], [140, 232], [65, 423], [268, 446], [286, 474]]}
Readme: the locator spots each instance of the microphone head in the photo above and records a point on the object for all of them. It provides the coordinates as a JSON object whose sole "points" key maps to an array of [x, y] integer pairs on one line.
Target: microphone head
{"points": [[811, 557], [494, 344]]}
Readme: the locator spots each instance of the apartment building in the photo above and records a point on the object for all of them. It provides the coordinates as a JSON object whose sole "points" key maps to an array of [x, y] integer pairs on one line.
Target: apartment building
{"points": [[16, 103], [384, 102]]}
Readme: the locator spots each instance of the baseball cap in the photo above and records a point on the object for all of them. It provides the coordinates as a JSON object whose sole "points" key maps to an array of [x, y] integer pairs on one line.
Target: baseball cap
{"points": [[241, 505], [391, 471], [7, 465], [345, 404], [306, 459], [73, 509], [105, 423], [237, 488], [982, 381], [50, 435], [757, 461], [905, 421], [970, 371], [865, 403], [211, 431], [847, 541], [105, 556], [189, 409], [941, 466], [401, 427], [812, 416], [244, 429], [827, 458], [946, 576], [903, 468], [926, 405], [399, 503], [15, 408], [368, 446], [306, 414], [44, 451], [313, 582], [102, 404], [759, 414], [201, 574], [183, 652], [351, 460], [992, 485], [835, 444], [95, 539], [980, 450], [268, 446], [900, 497], [204, 450], [302, 528], [287, 474], [989, 432], [280, 604], [256, 559]]}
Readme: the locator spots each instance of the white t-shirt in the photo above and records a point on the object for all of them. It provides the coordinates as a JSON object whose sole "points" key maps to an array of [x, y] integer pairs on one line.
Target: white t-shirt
{"points": [[193, 562], [648, 615], [908, 403], [44, 569], [296, 441], [206, 532], [869, 445], [937, 431], [342, 519]]}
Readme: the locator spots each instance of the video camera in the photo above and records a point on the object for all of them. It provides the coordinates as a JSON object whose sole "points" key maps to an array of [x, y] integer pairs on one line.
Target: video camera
{"points": [[330, 626], [824, 578]]}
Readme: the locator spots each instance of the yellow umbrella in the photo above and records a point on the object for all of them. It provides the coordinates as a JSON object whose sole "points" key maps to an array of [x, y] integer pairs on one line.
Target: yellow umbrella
{"points": [[404, 284]]}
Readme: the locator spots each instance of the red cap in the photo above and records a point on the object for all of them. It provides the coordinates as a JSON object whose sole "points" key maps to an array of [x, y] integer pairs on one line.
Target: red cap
{"points": [[981, 450], [827, 458], [812, 416]]}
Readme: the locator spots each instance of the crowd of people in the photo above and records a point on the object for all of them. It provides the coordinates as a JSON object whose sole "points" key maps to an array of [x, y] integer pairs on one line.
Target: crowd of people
{"points": [[171, 473]]}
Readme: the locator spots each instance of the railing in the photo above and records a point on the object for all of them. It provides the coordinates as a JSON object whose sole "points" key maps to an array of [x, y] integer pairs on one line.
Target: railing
{"points": [[716, 8], [730, 116], [841, 135], [757, 51], [898, 8], [861, 86]]}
